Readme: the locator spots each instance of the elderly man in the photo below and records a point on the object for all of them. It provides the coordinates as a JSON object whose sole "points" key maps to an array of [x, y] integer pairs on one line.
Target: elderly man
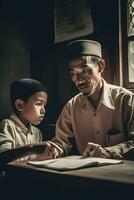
{"points": [[101, 117]]}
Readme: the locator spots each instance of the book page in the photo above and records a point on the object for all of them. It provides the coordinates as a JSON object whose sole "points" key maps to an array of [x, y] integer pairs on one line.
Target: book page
{"points": [[73, 162]]}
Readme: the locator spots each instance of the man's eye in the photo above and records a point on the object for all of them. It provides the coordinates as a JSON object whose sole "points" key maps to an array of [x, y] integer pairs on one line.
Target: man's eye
{"points": [[72, 73], [87, 71]]}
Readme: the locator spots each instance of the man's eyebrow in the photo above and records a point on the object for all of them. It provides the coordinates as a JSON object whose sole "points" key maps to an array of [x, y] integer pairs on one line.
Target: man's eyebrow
{"points": [[81, 66], [85, 65]]}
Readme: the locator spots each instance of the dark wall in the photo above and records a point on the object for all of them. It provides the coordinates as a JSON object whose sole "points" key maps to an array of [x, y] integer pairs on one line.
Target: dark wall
{"points": [[27, 48], [105, 21], [15, 59]]}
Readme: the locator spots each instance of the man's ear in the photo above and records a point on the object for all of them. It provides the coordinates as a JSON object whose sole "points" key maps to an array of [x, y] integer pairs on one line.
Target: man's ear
{"points": [[19, 104], [101, 65]]}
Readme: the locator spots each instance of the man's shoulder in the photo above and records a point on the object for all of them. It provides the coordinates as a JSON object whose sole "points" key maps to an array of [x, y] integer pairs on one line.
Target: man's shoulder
{"points": [[75, 102], [120, 89], [77, 98]]}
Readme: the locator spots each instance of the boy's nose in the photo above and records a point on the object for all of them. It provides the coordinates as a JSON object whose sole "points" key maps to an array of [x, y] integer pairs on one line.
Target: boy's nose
{"points": [[43, 110]]}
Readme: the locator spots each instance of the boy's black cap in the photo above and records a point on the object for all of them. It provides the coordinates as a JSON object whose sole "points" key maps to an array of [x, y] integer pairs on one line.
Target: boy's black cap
{"points": [[24, 88], [82, 48]]}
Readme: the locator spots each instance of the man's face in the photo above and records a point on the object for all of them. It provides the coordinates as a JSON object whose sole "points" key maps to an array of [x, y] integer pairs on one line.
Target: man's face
{"points": [[85, 74]]}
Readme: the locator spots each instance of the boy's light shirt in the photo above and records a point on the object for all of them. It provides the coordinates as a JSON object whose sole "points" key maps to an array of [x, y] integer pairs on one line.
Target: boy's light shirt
{"points": [[13, 133]]}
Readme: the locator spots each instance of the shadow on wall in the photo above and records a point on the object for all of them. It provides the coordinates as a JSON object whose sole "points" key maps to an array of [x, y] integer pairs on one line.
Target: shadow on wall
{"points": [[14, 64], [5, 110]]}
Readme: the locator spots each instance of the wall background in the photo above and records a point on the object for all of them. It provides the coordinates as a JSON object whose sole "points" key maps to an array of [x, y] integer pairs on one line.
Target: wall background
{"points": [[27, 49]]}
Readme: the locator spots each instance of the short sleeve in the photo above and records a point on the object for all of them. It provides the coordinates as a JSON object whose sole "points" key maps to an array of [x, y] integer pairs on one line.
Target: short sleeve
{"points": [[7, 139]]}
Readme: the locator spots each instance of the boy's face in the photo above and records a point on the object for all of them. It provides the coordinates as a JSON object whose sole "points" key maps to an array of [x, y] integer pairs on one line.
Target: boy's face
{"points": [[33, 110]]}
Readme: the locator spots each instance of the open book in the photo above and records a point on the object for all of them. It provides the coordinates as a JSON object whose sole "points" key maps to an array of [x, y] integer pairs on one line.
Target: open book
{"points": [[73, 162]]}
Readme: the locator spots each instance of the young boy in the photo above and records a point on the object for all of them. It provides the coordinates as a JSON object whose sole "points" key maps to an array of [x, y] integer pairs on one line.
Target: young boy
{"points": [[18, 137]]}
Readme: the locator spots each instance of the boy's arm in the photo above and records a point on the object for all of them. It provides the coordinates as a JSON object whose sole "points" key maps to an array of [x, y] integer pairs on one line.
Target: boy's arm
{"points": [[13, 154], [19, 152]]}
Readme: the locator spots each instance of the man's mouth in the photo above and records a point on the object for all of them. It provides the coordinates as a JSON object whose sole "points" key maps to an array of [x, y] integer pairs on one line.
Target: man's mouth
{"points": [[84, 87]]}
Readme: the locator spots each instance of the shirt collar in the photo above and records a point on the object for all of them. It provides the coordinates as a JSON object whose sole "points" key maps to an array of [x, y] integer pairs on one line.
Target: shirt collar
{"points": [[20, 126], [106, 96]]}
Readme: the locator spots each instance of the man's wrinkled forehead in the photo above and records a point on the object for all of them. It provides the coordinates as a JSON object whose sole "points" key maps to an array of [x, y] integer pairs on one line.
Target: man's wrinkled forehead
{"points": [[80, 61]]}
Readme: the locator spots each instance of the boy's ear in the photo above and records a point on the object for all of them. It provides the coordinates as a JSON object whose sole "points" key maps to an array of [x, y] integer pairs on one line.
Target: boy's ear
{"points": [[19, 104], [101, 65]]}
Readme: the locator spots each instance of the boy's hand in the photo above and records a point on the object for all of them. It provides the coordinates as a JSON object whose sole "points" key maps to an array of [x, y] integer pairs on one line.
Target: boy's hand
{"points": [[47, 150], [39, 147], [53, 150]]}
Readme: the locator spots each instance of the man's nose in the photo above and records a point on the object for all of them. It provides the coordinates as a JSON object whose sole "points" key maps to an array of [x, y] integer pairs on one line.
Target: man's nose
{"points": [[79, 77], [80, 83]]}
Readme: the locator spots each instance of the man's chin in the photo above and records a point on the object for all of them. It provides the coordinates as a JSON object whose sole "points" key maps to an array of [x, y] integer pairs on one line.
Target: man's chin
{"points": [[87, 93]]}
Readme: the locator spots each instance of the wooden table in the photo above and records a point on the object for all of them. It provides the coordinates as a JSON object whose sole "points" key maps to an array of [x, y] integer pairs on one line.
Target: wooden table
{"points": [[105, 182]]}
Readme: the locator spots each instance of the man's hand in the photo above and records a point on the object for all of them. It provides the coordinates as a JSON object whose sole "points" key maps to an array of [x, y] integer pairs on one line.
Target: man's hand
{"points": [[96, 150]]}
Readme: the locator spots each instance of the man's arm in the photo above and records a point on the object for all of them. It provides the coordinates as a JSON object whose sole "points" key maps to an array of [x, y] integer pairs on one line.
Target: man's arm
{"points": [[123, 150], [61, 143], [64, 133]]}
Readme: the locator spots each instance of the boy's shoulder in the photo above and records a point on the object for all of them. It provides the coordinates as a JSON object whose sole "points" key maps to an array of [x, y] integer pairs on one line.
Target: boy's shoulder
{"points": [[7, 122]]}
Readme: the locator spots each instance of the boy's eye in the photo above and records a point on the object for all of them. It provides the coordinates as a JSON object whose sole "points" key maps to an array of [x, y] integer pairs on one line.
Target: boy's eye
{"points": [[41, 104], [38, 103]]}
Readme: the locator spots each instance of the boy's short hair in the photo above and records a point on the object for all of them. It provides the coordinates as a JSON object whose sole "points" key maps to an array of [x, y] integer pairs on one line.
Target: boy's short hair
{"points": [[24, 88]]}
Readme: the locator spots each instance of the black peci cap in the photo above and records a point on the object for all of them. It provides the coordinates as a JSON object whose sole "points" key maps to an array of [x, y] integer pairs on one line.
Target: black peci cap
{"points": [[82, 48], [24, 88]]}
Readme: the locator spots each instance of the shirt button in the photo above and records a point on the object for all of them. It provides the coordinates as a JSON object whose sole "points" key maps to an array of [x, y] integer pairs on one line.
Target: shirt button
{"points": [[97, 132], [95, 114]]}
